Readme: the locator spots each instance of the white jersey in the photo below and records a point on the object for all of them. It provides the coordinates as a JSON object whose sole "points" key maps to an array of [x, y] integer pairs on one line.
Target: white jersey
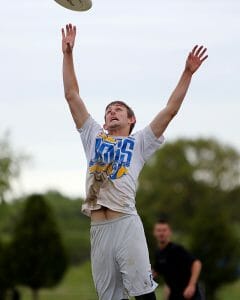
{"points": [[114, 163]]}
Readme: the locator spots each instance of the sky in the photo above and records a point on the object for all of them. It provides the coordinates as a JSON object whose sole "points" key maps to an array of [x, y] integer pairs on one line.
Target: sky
{"points": [[133, 51]]}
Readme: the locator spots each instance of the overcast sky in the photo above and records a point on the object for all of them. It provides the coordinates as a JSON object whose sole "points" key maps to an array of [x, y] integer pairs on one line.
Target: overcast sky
{"points": [[129, 50]]}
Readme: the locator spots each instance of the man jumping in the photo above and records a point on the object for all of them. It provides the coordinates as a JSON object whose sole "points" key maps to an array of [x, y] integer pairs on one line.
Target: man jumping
{"points": [[119, 253]]}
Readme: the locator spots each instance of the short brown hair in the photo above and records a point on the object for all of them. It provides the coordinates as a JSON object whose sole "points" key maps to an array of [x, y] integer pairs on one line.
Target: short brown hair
{"points": [[130, 112]]}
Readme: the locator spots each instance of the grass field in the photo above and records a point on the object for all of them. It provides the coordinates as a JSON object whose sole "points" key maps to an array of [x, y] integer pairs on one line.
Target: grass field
{"points": [[78, 285]]}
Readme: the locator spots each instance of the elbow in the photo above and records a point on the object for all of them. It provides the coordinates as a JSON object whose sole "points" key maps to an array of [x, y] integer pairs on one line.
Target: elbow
{"points": [[67, 96], [171, 114], [198, 264], [173, 107], [70, 95], [172, 110]]}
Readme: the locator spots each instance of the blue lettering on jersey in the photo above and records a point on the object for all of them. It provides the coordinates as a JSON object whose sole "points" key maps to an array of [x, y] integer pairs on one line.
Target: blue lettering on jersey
{"points": [[112, 155]]}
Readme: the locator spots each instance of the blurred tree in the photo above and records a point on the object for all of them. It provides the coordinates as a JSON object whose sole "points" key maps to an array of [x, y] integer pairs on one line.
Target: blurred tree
{"points": [[73, 224], [181, 174], [7, 279], [10, 164], [185, 176], [37, 248], [216, 244], [3, 284], [234, 203]]}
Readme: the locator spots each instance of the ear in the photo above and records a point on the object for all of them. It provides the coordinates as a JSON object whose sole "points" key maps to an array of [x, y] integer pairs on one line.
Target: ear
{"points": [[105, 127], [131, 120]]}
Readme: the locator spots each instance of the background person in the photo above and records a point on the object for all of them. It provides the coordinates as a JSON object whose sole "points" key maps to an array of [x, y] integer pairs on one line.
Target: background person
{"points": [[179, 268]]}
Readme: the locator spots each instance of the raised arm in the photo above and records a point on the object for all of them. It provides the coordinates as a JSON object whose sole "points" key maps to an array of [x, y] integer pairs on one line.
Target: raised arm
{"points": [[71, 89], [194, 61]]}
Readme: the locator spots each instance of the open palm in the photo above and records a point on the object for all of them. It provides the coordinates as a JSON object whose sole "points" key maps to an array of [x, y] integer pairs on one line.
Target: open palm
{"points": [[196, 58], [68, 38]]}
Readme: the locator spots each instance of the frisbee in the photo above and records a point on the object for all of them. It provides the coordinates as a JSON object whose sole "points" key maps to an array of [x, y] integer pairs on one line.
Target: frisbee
{"points": [[77, 5]]}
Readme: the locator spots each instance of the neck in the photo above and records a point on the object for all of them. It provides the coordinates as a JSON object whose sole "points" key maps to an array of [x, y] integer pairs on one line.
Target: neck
{"points": [[118, 132], [163, 244]]}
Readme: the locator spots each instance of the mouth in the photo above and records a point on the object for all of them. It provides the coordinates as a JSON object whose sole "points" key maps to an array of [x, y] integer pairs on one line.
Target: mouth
{"points": [[114, 119]]}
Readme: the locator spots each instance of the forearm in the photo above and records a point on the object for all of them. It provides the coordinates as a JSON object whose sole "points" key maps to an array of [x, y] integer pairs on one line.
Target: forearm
{"points": [[76, 105], [194, 61], [161, 121], [69, 77], [166, 292], [175, 101], [195, 272]]}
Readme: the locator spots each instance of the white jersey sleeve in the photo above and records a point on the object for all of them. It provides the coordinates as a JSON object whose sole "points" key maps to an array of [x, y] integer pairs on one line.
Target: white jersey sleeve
{"points": [[149, 143], [88, 133]]}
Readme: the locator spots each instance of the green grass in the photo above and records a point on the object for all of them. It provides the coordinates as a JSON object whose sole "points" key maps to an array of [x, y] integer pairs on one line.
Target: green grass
{"points": [[230, 292], [78, 285]]}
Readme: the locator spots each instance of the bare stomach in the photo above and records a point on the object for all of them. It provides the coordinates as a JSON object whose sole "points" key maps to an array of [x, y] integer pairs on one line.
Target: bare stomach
{"points": [[104, 214]]}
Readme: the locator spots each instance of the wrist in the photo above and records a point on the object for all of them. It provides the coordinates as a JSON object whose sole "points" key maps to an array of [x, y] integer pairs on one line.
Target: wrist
{"points": [[67, 54], [192, 284], [188, 71]]}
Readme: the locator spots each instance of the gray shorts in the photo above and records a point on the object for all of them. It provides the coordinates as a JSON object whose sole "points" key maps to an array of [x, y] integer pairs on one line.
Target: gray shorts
{"points": [[120, 259]]}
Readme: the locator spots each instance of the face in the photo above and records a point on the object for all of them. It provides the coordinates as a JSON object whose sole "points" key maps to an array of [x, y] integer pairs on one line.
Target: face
{"points": [[162, 233], [116, 117]]}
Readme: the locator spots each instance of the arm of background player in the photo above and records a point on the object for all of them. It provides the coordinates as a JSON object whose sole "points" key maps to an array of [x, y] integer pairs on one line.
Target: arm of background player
{"points": [[166, 288], [71, 89], [166, 292], [194, 61], [195, 272]]}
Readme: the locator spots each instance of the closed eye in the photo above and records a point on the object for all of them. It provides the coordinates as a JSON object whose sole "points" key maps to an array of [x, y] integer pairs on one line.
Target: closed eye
{"points": [[119, 108]]}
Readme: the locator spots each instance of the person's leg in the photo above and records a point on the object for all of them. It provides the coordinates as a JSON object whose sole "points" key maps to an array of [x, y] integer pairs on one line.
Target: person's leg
{"points": [[133, 259], [106, 274], [150, 296]]}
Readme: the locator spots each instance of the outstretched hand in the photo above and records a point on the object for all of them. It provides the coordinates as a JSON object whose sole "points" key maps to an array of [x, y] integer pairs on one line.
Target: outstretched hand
{"points": [[68, 38], [195, 58]]}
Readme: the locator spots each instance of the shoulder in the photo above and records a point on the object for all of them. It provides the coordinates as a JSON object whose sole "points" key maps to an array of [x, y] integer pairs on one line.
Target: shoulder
{"points": [[147, 133], [178, 247], [148, 142], [182, 252], [90, 123]]}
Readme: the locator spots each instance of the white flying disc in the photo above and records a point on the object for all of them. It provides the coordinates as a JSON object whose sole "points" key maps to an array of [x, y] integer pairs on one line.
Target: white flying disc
{"points": [[78, 5]]}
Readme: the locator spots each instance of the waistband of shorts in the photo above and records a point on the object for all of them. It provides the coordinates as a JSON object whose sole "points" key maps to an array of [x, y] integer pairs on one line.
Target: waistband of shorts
{"points": [[115, 220]]}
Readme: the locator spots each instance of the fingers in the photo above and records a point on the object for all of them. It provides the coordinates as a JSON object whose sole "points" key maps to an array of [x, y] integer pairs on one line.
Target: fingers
{"points": [[199, 52], [205, 57], [69, 30], [63, 33], [202, 53], [194, 49]]}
